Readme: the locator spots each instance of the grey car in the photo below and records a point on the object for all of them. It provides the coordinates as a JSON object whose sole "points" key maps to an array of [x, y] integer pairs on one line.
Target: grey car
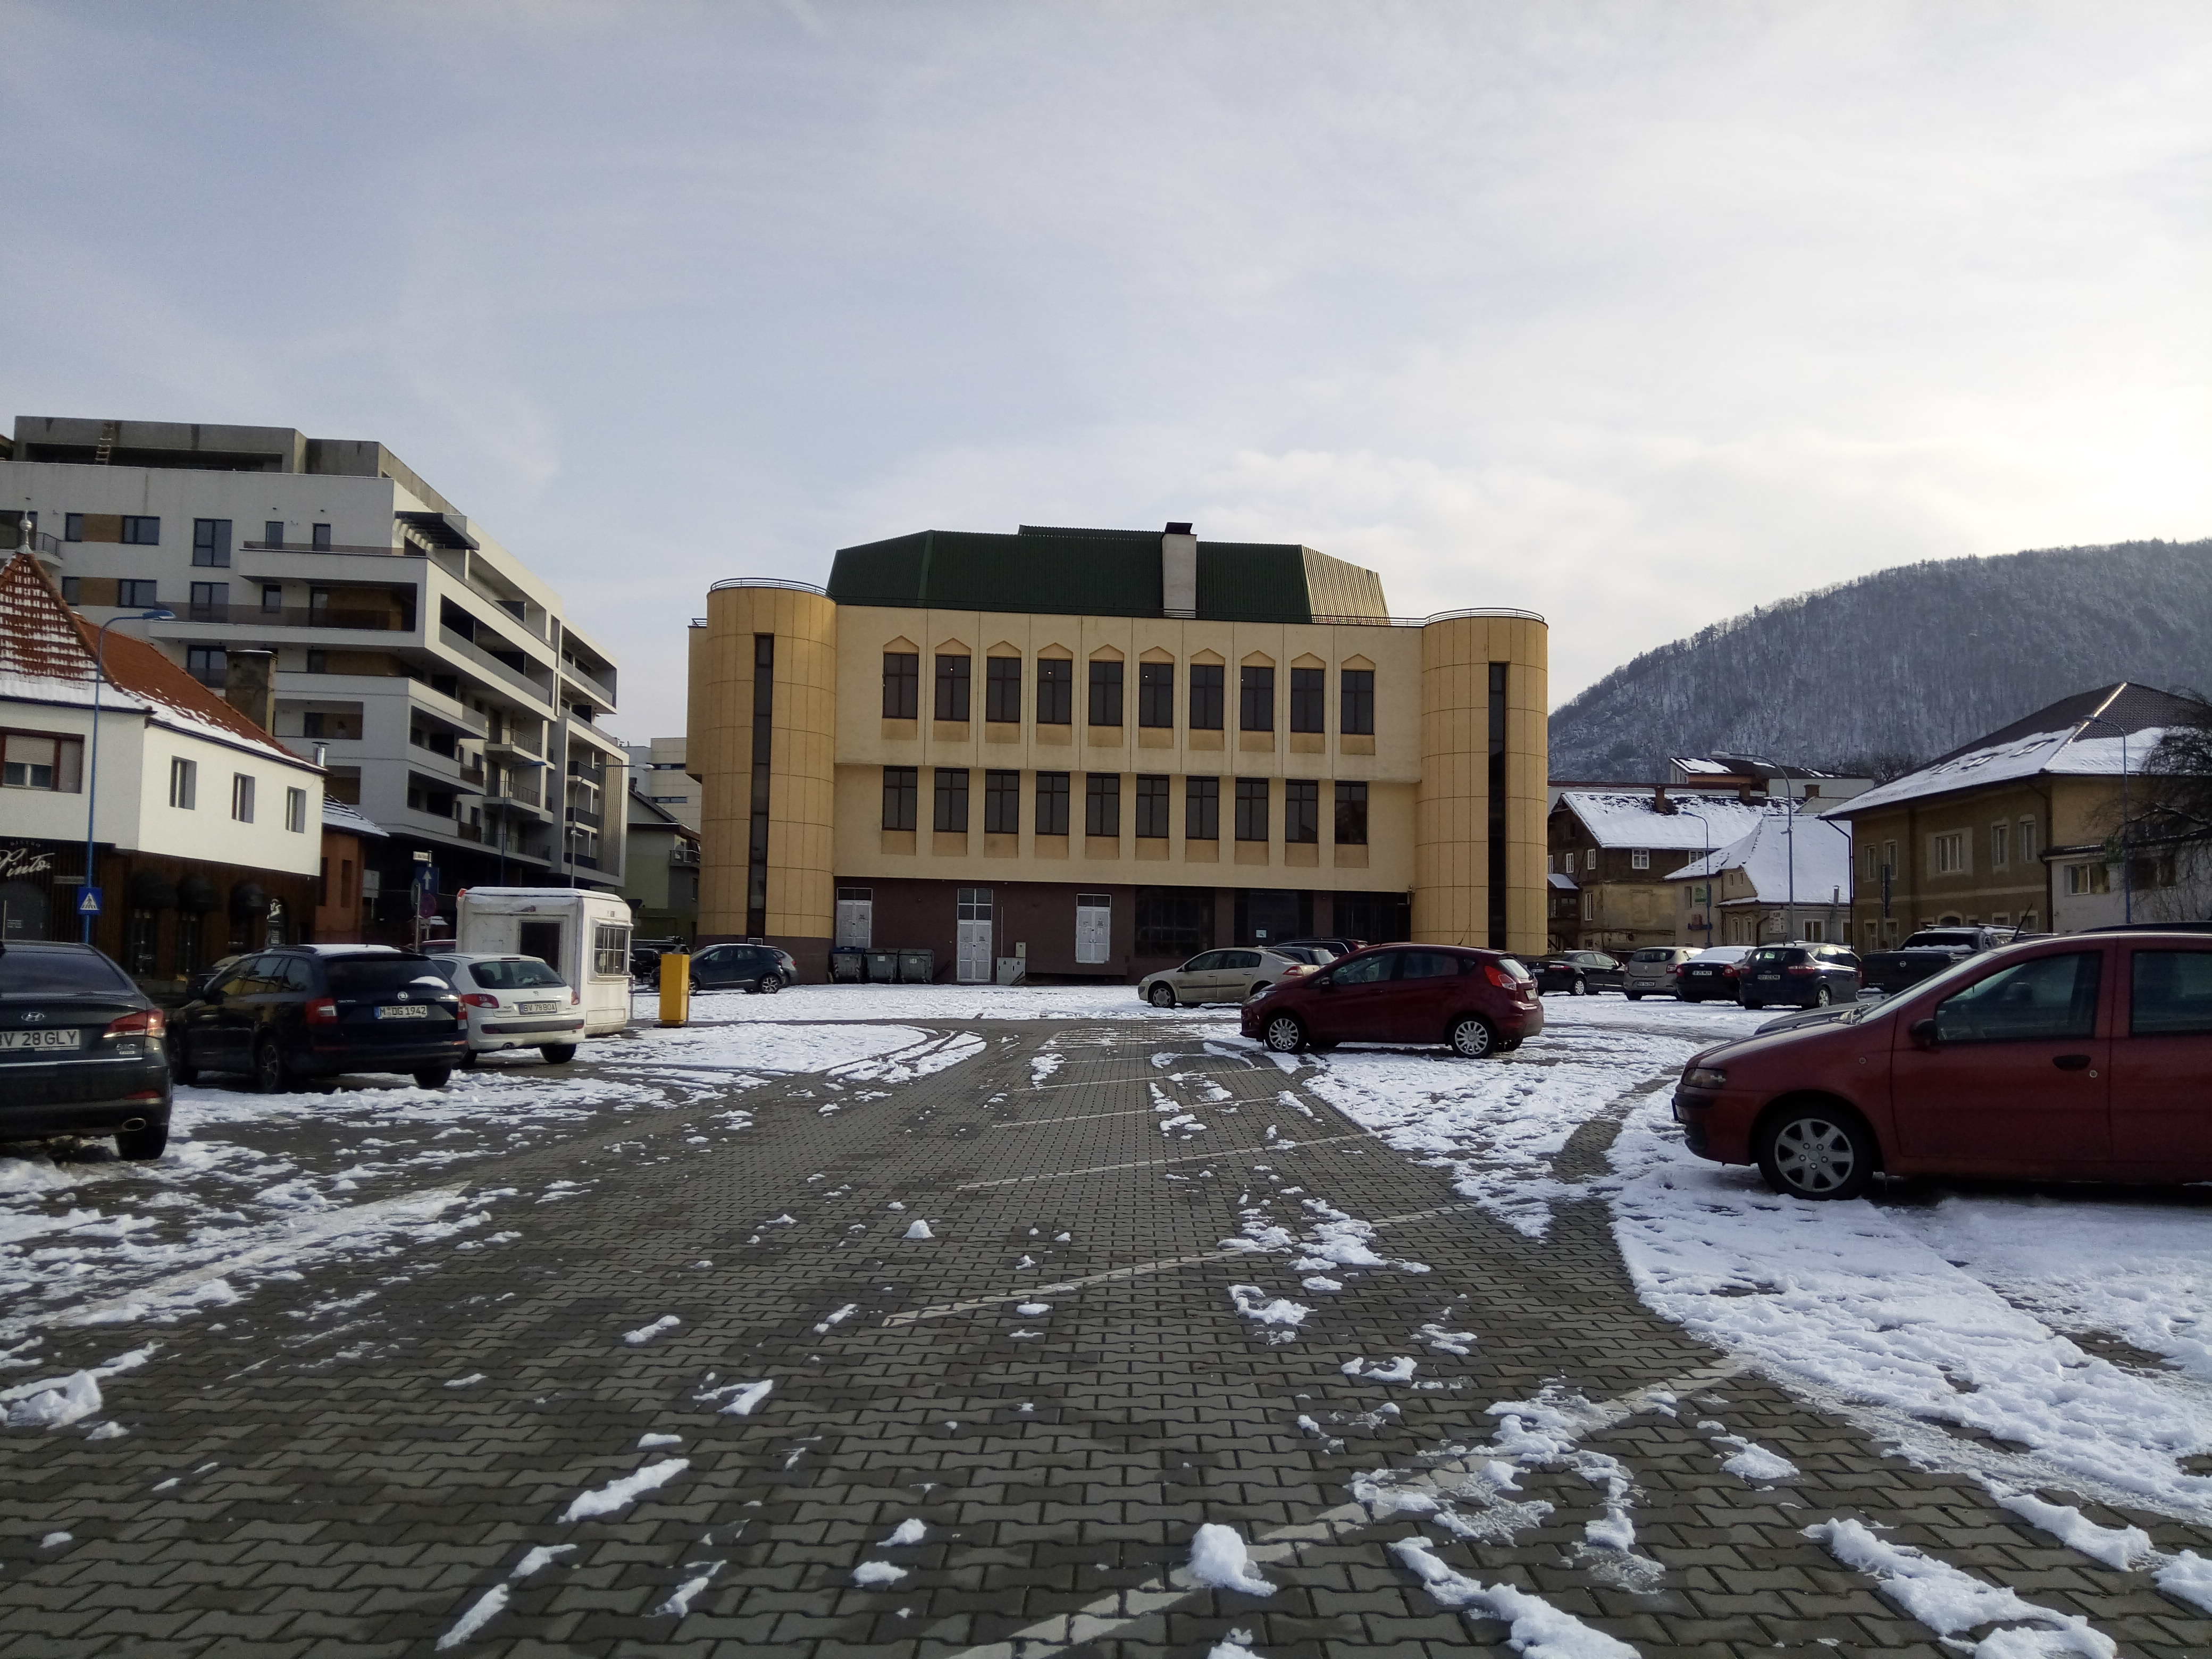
{"points": [[1219, 977], [1652, 971]]}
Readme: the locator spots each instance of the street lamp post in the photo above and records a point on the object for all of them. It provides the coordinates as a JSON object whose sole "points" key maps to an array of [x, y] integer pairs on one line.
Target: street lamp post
{"points": [[1704, 828], [2127, 864], [160, 613]]}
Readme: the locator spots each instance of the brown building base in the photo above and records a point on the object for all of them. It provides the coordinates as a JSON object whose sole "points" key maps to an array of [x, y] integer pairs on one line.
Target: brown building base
{"points": [[1149, 928]]}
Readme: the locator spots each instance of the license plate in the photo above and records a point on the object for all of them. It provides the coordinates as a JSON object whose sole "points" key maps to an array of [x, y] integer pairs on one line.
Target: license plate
{"points": [[541, 1007], [65, 1039], [404, 1010], [1763, 978]]}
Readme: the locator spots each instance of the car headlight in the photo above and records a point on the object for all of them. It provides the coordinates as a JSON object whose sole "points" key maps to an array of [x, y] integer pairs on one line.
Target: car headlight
{"points": [[1705, 1077]]}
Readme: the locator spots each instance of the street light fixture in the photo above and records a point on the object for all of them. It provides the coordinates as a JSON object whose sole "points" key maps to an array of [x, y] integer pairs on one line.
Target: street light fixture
{"points": [[159, 613], [1705, 829]]}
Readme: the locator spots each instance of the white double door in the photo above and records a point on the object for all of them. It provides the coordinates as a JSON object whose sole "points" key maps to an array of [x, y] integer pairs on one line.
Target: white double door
{"points": [[972, 936]]}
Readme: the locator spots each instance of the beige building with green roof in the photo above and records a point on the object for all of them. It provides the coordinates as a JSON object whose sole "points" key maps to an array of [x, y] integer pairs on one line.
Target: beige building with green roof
{"points": [[1097, 752]]}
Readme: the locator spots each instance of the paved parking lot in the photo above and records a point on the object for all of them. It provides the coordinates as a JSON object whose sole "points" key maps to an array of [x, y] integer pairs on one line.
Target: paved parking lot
{"points": [[1151, 1275]]}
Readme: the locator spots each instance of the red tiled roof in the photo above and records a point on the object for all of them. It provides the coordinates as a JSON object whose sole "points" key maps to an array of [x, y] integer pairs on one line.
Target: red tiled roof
{"points": [[43, 640]]}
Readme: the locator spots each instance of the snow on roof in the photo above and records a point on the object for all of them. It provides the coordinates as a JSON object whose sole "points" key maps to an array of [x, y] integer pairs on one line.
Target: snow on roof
{"points": [[345, 815], [1820, 851], [1566, 882], [47, 655], [1688, 764], [1626, 820]]}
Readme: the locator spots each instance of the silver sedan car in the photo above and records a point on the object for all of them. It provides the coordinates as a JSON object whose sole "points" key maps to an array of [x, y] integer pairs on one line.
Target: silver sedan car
{"points": [[1219, 977]]}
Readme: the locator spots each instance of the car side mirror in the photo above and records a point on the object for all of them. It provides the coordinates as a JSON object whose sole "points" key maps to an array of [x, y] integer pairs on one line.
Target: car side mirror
{"points": [[1923, 1033], [1325, 981]]}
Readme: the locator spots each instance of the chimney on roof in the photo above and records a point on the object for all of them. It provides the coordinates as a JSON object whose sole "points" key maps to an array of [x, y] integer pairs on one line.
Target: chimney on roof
{"points": [[249, 685], [1179, 572]]}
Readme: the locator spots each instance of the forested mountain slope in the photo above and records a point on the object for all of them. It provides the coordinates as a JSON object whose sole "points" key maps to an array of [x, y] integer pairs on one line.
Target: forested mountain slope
{"points": [[1899, 666]]}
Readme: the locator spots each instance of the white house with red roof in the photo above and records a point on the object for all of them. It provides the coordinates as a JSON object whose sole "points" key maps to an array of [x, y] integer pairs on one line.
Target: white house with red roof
{"points": [[207, 832]]}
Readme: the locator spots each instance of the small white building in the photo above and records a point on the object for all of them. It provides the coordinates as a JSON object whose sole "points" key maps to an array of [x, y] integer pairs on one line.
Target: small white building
{"points": [[206, 832], [1790, 877]]}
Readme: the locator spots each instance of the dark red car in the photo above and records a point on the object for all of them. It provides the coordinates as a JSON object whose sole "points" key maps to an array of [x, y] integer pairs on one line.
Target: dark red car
{"points": [[1477, 1002], [2080, 1058]]}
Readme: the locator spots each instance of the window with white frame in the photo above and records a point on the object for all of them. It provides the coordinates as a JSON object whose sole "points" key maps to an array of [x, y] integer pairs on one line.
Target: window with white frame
{"points": [[1640, 859], [1949, 853], [1589, 905], [295, 810], [1816, 932], [241, 797], [2083, 880], [183, 783], [1999, 845], [41, 760], [2028, 845], [1589, 858]]}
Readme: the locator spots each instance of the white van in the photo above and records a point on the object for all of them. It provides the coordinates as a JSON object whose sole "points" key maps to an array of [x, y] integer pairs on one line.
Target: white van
{"points": [[584, 936]]}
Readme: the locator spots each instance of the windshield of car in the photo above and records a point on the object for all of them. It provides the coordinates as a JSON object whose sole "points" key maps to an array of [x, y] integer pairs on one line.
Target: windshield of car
{"points": [[512, 975], [369, 976], [59, 972]]}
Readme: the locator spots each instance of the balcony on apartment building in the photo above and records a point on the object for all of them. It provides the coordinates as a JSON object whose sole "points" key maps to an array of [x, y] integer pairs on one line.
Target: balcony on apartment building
{"points": [[300, 616]]}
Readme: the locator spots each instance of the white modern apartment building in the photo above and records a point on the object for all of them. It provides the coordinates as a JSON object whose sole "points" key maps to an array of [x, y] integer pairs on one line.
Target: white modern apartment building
{"points": [[449, 695]]}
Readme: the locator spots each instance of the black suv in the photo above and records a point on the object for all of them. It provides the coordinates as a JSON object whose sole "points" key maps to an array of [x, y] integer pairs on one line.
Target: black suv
{"points": [[81, 1051], [316, 1010], [1809, 975], [760, 967]]}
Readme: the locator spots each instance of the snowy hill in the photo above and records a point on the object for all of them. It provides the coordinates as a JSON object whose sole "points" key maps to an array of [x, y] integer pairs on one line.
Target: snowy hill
{"points": [[1899, 666]]}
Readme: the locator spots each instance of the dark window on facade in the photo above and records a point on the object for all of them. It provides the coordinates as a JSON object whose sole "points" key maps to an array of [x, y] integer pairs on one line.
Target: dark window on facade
{"points": [[72, 526], [1497, 813], [272, 596], [322, 538], [1309, 688], [1002, 803], [147, 532], [1151, 809], [1102, 804], [1052, 803], [210, 540], [1156, 693], [757, 828], [1301, 810], [272, 532], [1251, 809], [1201, 809], [1206, 694], [1173, 921], [319, 662], [1056, 699], [1351, 815], [1002, 689], [1256, 709], [952, 688], [1105, 694], [138, 595], [73, 590], [951, 810], [1358, 714], [899, 791], [209, 599], [902, 685]]}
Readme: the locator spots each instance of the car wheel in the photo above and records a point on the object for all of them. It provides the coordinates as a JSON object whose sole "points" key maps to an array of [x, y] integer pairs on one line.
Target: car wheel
{"points": [[1162, 996], [146, 1143], [1822, 997], [1633, 996], [1749, 1002], [1816, 1151], [432, 1077], [469, 1061], [1581, 987], [1472, 1038], [770, 984], [557, 1054], [270, 1075], [1284, 1035]]}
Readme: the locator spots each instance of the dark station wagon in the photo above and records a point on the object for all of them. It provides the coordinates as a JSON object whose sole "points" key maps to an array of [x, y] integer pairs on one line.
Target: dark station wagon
{"points": [[305, 1011]]}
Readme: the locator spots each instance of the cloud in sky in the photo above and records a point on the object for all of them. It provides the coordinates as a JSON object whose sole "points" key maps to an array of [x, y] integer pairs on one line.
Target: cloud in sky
{"points": [[1635, 315]]}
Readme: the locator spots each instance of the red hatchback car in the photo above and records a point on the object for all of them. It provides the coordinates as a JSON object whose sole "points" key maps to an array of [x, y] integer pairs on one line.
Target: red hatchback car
{"points": [[2081, 1058], [1477, 1002]]}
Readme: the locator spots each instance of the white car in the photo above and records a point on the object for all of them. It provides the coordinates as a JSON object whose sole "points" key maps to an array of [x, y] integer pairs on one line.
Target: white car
{"points": [[1220, 976], [515, 1002]]}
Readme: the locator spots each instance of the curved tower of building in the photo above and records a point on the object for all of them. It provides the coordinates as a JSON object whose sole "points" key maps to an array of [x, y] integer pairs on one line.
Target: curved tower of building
{"points": [[763, 742]]}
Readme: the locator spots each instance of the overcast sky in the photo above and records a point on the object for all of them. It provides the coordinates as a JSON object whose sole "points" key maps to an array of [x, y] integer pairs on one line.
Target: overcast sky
{"points": [[1634, 315]]}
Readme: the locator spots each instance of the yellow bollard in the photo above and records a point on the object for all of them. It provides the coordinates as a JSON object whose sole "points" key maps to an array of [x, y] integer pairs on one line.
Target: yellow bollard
{"points": [[676, 988]]}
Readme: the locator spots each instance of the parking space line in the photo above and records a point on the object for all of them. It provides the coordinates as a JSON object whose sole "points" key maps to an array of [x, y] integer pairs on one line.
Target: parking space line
{"points": [[1156, 1162], [1087, 1117], [1111, 1613]]}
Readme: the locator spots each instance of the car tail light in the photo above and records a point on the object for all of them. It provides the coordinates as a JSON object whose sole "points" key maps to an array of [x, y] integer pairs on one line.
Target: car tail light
{"points": [[573, 996], [1499, 977], [1801, 972], [1732, 971], [478, 1000], [323, 1011], [147, 1023]]}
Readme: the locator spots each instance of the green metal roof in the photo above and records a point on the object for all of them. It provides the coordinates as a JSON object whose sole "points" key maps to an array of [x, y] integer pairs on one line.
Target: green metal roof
{"points": [[1095, 573]]}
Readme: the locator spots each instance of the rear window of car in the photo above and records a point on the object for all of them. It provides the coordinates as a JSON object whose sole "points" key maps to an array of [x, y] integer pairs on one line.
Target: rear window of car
{"points": [[1943, 936], [1776, 957], [1512, 965], [512, 975], [1660, 955], [369, 976], [34, 971]]}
